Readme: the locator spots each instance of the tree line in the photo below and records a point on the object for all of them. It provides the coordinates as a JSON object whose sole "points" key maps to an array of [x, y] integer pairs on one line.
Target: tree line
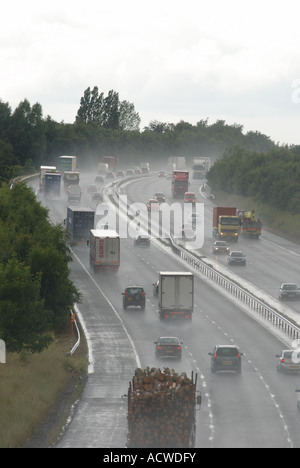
{"points": [[107, 125], [36, 293], [272, 177]]}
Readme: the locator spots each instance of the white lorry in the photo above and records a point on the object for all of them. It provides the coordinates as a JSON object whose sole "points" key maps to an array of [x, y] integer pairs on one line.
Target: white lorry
{"points": [[102, 169], [200, 167], [74, 194], [145, 167], [104, 249], [175, 295]]}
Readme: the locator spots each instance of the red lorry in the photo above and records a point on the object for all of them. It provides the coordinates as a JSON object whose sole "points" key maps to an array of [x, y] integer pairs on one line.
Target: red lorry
{"points": [[180, 183]]}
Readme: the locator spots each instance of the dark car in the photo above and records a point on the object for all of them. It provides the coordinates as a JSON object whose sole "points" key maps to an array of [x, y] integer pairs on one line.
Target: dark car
{"points": [[134, 296], [110, 175], [97, 197], [289, 291], [220, 247], [236, 257], [286, 363], [226, 358], [99, 179], [168, 346], [120, 173], [159, 196], [143, 240], [162, 174]]}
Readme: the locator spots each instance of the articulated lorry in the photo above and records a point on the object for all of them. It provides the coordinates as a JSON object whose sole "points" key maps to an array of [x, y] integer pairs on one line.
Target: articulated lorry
{"points": [[67, 163], [249, 225], [175, 295], [104, 249], [71, 178], [180, 183], [74, 194], [162, 409], [200, 167], [145, 167], [80, 220], [226, 223], [52, 182]]}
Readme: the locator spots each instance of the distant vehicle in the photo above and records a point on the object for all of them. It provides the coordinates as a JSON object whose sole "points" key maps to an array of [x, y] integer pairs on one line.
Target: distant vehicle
{"points": [[103, 226], [91, 188], [74, 194], [153, 204], [97, 197], [129, 172], [162, 174], [155, 288], [120, 173], [134, 296], [145, 167], [220, 247], [142, 239], [99, 179], [187, 231], [285, 362], [288, 291], [226, 358], [168, 346], [137, 170], [195, 218], [160, 197], [110, 175], [236, 257], [190, 197]]}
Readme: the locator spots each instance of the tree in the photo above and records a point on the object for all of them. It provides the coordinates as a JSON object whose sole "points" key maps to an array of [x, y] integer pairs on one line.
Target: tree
{"points": [[129, 119], [23, 318], [108, 111]]}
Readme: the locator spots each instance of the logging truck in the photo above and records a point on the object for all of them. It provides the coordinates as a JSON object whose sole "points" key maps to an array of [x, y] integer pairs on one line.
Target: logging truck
{"points": [[162, 409]]}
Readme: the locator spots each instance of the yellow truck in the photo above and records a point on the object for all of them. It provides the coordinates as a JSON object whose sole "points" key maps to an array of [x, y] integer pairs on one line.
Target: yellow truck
{"points": [[249, 225]]}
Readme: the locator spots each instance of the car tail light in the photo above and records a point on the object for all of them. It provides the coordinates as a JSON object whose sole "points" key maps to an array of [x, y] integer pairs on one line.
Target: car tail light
{"points": [[282, 360], [215, 356], [178, 347], [159, 347]]}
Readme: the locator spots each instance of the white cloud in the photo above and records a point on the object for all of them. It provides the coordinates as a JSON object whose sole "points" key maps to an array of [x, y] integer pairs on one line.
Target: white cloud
{"points": [[174, 60]]}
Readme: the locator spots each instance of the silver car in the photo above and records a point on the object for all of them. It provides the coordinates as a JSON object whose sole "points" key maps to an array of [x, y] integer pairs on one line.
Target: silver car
{"points": [[220, 247], [288, 361], [236, 257], [289, 291]]}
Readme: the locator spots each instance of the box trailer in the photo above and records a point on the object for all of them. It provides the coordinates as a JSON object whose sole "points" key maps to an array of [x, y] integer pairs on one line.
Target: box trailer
{"points": [[104, 249], [175, 295], [80, 220]]}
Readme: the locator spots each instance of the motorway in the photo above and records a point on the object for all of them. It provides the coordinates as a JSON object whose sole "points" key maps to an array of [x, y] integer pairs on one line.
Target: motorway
{"points": [[255, 409]]}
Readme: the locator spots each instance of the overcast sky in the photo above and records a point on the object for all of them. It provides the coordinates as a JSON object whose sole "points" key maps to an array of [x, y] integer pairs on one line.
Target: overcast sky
{"points": [[232, 60]]}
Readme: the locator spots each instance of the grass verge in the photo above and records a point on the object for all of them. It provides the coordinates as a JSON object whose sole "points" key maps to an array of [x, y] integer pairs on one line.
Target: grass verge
{"points": [[37, 392]]}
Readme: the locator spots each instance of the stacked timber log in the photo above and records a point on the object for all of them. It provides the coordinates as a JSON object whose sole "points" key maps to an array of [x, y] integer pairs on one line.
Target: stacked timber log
{"points": [[161, 409]]}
